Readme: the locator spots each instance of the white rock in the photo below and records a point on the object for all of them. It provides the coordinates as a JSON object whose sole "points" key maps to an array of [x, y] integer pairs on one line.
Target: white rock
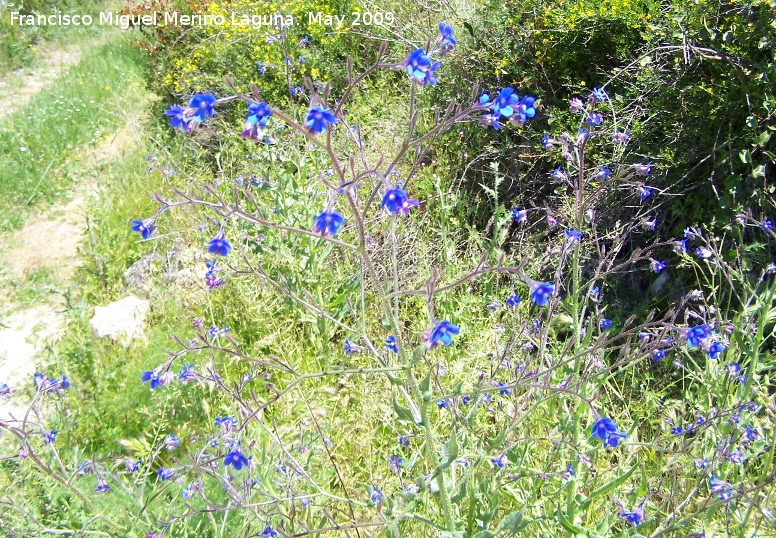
{"points": [[121, 321]]}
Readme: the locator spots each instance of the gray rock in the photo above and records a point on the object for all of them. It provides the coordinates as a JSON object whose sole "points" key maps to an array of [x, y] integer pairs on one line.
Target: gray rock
{"points": [[138, 275], [121, 321]]}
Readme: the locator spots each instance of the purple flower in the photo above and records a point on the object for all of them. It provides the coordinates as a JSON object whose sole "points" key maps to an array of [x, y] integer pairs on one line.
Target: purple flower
{"points": [[328, 223], [620, 137], [318, 118], [576, 105], [606, 431], [443, 332], [540, 292], [236, 459], [395, 201]]}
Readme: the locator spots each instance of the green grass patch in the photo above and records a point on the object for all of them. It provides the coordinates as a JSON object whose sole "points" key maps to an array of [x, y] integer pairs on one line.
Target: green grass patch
{"points": [[42, 140]]}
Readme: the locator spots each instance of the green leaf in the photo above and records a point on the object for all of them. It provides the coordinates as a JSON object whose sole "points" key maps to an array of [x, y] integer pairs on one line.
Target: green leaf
{"points": [[451, 452], [605, 489], [402, 412], [425, 387], [512, 524], [484, 534]]}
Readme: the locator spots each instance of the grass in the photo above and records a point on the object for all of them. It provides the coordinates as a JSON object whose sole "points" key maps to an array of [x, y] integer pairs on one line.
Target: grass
{"points": [[42, 141]]}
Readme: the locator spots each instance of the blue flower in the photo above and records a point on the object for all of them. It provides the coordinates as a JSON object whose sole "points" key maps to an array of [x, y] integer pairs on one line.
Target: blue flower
{"points": [[697, 334], [720, 488], [395, 201], [502, 392], [576, 105], [102, 485], [186, 373], [165, 473], [540, 292], [227, 423], [149, 375], [703, 253], [546, 142], [348, 346], [403, 440], [499, 462], [219, 245], [620, 137], [258, 113], [465, 400], [446, 33], [236, 459], [634, 518], [595, 292], [599, 94], [132, 465], [658, 355], [50, 436], [606, 431], [417, 65], [443, 332], [390, 344], [604, 173], [644, 193], [558, 174], [658, 266], [594, 119], [268, 532], [642, 169], [328, 223], [295, 90], [573, 236], [519, 215], [605, 324], [171, 442], [766, 225], [178, 118], [525, 110], [318, 118], [146, 229], [261, 68], [502, 105], [484, 99], [715, 350], [394, 463], [677, 430], [202, 105], [513, 300]]}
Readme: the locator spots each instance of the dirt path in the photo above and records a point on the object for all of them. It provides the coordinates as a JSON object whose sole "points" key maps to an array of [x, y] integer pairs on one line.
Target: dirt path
{"points": [[48, 242], [23, 84]]}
